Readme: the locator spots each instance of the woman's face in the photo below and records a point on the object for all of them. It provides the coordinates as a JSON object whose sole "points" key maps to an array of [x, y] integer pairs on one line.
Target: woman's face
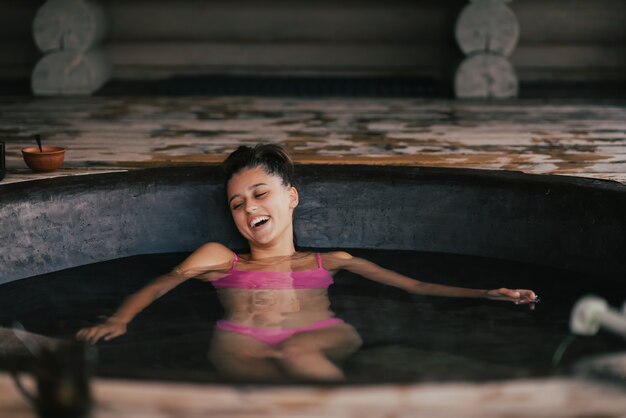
{"points": [[261, 206]]}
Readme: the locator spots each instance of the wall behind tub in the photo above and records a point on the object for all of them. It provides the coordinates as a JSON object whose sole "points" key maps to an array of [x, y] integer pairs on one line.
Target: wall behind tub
{"points": [[574, 224], [576, 40], [54, 224]]}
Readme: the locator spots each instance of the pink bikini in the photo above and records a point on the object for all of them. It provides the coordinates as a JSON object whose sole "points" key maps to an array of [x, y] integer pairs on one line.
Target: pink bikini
{"points": [[310, 279], [274, 336]]}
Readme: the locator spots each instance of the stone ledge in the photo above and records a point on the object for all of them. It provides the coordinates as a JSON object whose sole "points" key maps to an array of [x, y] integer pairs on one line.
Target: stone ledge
{"points": [[550, 398], [570, 138]]}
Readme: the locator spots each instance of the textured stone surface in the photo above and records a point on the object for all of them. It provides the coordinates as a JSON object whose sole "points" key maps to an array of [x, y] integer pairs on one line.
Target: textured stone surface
{"points": [[570, 223], [549, 398], [567, 138]]}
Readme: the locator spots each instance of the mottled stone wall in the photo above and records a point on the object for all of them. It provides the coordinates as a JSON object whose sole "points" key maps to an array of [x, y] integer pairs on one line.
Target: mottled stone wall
{"points": [[575, 224]]}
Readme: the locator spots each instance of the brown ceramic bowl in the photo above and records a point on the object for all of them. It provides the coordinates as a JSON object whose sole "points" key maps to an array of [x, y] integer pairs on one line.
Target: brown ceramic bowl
{"points": [[43, 162]]}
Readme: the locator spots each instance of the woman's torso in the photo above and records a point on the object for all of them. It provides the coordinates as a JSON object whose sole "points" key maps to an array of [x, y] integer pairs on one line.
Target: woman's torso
{"points": [[281, 293]]}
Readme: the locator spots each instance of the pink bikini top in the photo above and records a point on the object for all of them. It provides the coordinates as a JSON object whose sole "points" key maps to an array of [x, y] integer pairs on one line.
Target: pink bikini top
{"points": [[309, 279]]}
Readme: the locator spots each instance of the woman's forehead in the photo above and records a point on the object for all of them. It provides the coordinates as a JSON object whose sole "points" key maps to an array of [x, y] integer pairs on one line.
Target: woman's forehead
{"points": [[249, 177]]}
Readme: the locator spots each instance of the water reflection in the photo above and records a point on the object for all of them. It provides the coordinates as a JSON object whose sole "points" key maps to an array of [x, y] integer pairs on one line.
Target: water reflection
{"points": [[405, 338], [278, 324]]}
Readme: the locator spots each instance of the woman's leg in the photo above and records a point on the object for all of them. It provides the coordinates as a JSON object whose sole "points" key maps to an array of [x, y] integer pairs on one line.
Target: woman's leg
{"points": [[239, 357], [313, 355]]}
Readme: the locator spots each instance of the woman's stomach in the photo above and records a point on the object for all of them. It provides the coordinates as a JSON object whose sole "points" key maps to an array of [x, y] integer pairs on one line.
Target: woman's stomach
{"points": [[275, 308]]}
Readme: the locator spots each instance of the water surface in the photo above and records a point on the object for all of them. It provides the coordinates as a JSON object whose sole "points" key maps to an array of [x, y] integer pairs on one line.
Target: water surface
{"points": [[405, 337]]}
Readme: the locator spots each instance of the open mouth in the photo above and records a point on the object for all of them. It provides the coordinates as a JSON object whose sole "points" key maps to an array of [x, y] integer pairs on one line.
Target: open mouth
{"points": [[259, 221]]}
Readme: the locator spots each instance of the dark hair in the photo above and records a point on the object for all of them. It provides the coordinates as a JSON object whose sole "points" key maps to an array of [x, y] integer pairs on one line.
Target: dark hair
{"points": [[273, 158]]}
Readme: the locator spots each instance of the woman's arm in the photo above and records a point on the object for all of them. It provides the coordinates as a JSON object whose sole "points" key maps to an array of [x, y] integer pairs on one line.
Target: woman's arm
{"points": [[342, 260], [211, 254]]}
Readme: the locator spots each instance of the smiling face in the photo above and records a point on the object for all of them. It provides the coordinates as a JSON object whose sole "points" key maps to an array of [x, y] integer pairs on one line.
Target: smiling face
{"points": [[262, 208]]}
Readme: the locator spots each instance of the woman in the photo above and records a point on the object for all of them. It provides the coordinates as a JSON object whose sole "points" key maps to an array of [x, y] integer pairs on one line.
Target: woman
{"points": [[278, 323]]}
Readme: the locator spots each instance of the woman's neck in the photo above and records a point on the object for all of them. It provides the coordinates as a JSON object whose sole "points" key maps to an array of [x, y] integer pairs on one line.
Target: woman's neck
{"points": [[279, 250]]}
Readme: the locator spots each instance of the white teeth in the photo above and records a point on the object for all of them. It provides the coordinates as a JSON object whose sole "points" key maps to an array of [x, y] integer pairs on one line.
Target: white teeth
{"points": [[255, 221]]}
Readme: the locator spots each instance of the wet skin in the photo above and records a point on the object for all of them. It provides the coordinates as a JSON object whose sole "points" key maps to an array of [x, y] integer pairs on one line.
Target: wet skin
{"points": [[310, 355]]}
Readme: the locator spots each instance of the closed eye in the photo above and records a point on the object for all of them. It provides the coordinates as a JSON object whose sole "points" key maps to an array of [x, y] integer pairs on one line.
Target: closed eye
{"points": [[260, 195]]}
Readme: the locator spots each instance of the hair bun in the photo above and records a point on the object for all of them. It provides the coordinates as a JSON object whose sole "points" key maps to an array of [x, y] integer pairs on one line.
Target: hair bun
{"points": [[273, 158]]}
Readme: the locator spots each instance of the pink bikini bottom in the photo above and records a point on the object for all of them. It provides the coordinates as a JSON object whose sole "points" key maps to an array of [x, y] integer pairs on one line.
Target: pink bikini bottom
{"points": [[273, 336]]}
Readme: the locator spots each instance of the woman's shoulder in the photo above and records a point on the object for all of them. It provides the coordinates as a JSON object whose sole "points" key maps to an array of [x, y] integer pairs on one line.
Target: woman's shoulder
{"points": [[343, 255], [216, 247], [334, 260], [211, 254]]}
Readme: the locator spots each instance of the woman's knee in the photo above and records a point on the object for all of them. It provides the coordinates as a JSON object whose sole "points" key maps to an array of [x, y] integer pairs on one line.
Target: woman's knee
{"points": [[293, 351]]}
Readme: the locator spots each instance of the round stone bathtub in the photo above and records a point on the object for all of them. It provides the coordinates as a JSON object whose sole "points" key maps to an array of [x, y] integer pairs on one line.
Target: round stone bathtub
{"points": [[570, 231], [565, 222]]}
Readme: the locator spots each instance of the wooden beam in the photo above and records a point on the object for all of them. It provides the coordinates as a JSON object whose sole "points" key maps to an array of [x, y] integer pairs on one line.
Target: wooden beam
{"points": [[485, 75], [295, 21], [76, 25], [70, 73], [487, 26], [487, 32], [162, 59]]}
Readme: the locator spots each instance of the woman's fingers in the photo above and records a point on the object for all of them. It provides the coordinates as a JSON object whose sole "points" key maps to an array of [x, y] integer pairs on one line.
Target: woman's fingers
{"points": [[84, 334], [114, 334], [526, 297], [517, 296], [93, 334], [96, 335]]}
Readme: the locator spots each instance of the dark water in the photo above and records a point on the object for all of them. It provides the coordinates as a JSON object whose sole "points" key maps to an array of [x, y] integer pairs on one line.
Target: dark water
{"points": [[405, 337]]}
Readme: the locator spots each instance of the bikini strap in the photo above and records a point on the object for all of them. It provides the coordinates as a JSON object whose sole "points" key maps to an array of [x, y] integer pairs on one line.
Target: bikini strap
{"points": [[319, 261], [234, 261]]}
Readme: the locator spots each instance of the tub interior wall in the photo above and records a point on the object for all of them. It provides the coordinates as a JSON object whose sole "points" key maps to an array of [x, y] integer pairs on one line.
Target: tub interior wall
{"points": [[577, 225]]}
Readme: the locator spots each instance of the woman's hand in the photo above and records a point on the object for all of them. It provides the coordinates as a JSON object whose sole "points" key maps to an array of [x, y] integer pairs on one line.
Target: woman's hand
{"points": [[108, 330], [517, 296]]}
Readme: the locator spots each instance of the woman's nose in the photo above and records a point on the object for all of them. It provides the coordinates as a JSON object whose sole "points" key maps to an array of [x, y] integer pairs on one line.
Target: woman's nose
{"points": [[250, 207]]}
